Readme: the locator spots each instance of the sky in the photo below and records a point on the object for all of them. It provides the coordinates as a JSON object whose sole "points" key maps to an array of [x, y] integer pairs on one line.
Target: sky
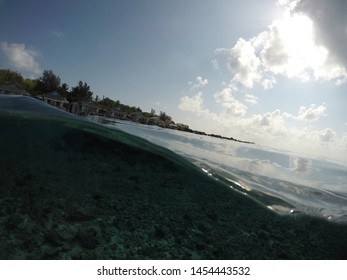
{"points": [[271, 71]]}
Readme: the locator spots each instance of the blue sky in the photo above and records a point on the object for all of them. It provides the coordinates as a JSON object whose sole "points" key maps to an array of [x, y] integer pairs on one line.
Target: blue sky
{"points": [[271, 71]]}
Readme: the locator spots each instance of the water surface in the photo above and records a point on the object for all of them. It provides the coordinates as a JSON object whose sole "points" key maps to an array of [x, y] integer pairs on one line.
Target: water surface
{"points": [[74, 189], [284, 182]]}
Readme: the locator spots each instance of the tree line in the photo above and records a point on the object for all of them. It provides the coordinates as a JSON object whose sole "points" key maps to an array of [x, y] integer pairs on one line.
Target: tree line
{"points": [[49, 82]]}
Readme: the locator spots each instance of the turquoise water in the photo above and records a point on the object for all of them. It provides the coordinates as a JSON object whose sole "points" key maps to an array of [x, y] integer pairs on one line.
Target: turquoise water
{"points": [[73, 188]]}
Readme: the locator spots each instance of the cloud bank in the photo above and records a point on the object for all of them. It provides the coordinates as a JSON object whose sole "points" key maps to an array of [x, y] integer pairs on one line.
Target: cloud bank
{"points": [[271, 128], [231, 106]]}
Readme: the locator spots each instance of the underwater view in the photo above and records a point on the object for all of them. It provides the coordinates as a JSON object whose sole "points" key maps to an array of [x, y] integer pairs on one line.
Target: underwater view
{"points": [[98, 188]]}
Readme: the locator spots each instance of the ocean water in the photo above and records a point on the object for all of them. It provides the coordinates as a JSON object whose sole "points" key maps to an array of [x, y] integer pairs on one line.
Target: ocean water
{"points": [[284, 182], [77, 188]]}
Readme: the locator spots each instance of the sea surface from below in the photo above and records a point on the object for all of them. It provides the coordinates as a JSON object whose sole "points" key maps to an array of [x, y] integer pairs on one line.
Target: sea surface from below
{"points": [[74, 189]]}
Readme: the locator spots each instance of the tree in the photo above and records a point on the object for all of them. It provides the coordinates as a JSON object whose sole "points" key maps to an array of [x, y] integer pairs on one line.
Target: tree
{"points": [[48, 82], [96, 99], [64, 90], [108, 103], [29, 85], [81, 92], [11, 76]]}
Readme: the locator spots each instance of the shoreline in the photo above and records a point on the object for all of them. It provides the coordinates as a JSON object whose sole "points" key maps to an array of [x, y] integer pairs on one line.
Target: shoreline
{"points": [[189, 130]]}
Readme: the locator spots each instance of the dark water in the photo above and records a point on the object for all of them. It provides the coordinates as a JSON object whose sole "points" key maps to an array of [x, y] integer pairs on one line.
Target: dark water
{"points": [[72, 189]]}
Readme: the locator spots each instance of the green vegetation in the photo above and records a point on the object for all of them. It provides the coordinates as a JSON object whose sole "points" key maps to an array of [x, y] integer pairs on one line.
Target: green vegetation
{"points": [[11, 76], [80, 92], [48, 82]]}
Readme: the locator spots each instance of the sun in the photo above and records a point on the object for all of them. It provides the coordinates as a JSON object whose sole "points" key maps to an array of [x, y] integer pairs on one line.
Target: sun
{"points": [[298, 31], [298, 37]]}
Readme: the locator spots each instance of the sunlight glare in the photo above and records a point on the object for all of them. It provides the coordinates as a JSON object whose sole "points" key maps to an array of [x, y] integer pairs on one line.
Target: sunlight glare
{"points": [[298, 37]]}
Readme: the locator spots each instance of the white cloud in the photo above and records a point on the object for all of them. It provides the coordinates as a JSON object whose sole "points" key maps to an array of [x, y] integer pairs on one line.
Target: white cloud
{"points": [[215, 64], [312, 113], [232, 106], [21, 57], [224, 95], [244, 63], [274, 54], [288, 48], [275, 118], [200, 82], [252, 99], [269, 82], [56, 33], [270, 129], [330, 22], [298, 45], [327, 135], [289, 4], [191, 104]]}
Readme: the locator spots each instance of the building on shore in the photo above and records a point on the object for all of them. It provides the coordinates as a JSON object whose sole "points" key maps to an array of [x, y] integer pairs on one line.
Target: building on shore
{"points": [[183, 127], [12, 88], [117, 114], [54, 98], [156, 121], [89, 108], [138, 117], [84, 108]]}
